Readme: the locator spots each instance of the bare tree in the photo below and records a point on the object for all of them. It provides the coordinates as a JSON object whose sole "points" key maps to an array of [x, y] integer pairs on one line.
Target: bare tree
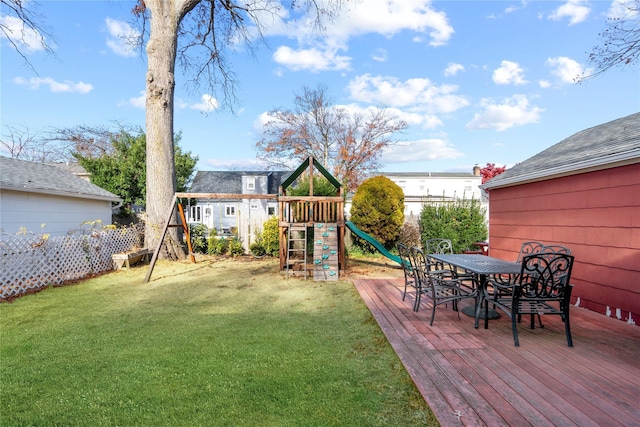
{"points": [[620, 40], [348, 143], [20, 142], [22, 27], [214, 27]]}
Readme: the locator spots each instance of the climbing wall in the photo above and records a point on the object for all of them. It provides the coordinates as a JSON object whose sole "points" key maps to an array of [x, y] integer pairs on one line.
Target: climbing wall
{"points": [[325, 251]]}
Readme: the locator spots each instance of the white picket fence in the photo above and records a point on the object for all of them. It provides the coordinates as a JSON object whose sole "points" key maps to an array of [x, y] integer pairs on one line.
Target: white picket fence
{"points": [[29, 263]]}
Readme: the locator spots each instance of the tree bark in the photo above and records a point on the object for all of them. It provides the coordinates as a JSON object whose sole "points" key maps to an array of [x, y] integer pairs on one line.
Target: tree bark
{"points": [[160, 86]]}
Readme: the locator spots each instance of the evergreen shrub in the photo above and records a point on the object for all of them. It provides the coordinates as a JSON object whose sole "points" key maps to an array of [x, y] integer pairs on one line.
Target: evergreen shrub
{"points": [[378, 209], [462, 221]]}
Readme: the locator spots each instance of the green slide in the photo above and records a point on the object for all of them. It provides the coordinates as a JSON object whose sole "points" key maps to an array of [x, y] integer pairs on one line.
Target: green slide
{"points": [[373, 241]]}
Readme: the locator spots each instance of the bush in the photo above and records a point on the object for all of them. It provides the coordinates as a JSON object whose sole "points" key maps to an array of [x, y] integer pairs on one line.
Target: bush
{"points": [[378, 210], [410, 235], [257, 248], [321, 187], [271, 236], [462, 221], [198, 234], [235, 247], [217, 246]]}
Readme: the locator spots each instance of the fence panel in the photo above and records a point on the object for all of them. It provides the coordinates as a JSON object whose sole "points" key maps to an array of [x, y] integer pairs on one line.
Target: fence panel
{"points": [[29, 263]]}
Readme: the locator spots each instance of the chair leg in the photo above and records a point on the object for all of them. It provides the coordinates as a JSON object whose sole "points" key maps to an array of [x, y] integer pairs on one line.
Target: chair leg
{"points": [[416, 304], [514, 328], [567, 329], [433, 313]]}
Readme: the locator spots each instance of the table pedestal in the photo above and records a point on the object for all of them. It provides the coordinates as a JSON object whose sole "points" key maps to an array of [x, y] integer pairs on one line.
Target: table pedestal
{"points": [[471, 312]]}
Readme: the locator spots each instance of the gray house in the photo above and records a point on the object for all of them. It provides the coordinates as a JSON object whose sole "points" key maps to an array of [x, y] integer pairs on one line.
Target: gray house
{"points": [[35, 194], [232, 210]]}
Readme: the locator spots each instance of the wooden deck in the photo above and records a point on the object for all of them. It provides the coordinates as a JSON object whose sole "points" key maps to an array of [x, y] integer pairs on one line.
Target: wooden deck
{"points": [[477, 377]]}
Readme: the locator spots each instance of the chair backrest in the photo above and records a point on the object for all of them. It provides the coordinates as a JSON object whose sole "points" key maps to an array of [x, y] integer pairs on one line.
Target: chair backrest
{"points": [[405, 256], [545, 275], [438, 246], [529, 248], [556, 249]]}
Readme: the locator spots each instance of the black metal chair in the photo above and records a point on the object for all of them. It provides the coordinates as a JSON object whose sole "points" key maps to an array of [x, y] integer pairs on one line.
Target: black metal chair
{"points": [[441, 286], [443, 246], [542, 287], [409, 272], [529, 248]]}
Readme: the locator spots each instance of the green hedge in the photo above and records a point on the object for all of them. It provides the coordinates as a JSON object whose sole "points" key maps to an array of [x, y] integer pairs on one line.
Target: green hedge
{"points": [[461, 221]]}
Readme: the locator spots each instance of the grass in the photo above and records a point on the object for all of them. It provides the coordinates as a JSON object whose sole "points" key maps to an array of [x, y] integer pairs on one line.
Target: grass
{"points": [[223, 342]]}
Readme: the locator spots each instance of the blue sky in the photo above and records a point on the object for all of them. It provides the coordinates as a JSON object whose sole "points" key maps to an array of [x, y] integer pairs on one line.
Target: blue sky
{"points": [[478, 81]]}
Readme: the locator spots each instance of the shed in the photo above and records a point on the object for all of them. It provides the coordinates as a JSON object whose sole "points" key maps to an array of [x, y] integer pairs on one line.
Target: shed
{"points": [[33, 194], [583, 192]]}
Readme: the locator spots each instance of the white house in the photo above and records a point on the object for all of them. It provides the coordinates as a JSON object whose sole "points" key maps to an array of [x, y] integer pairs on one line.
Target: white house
{"points": [[422, 187], [42, 198]]}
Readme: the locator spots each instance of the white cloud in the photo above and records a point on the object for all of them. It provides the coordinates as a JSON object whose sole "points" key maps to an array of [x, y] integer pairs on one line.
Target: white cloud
{"points": [[138, 102], [122, 37], [566, 69], [24, 38], [389, 17], [312, 59], [420, 150], [380, 55], [544, 84], [206, 105], [509, 73], [453, 69], [416, 94], [241, 164], [54, 86], [623, 9], [576, 10], [386, 17], [511, 9], [513, 111]]}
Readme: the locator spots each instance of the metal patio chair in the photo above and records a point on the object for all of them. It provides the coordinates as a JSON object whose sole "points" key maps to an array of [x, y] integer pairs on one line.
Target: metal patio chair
{"points": [[541, 288]]}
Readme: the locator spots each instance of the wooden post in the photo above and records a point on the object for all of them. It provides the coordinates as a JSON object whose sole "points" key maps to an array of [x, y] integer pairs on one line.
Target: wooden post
{"points": [[185, 227]]}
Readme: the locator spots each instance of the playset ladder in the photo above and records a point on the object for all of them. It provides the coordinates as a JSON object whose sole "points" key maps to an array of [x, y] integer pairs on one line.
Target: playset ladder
{"points": [[297, 233]]}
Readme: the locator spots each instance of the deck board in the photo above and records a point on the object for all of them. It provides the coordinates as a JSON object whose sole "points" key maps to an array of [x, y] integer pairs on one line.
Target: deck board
{"points": [[477, 377]]}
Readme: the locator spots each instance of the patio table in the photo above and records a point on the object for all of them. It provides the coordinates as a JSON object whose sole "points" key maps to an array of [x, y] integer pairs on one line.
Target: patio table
{"points": [[482, 266]]}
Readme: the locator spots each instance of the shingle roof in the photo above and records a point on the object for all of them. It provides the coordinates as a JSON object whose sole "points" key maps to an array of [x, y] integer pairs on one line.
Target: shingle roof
{"points": [[604, 146], [20, 175], [230, 182], [428, 174]]}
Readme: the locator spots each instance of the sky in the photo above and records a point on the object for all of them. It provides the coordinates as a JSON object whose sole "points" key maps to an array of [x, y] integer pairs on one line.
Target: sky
{"points": [[477, 81]]}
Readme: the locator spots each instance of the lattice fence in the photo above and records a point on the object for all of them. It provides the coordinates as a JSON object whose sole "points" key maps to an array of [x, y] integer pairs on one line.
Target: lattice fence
{"points": [[29, 263]]}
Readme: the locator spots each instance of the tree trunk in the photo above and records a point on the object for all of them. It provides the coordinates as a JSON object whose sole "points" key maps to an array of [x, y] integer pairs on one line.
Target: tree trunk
{"points": [[161, 181]]}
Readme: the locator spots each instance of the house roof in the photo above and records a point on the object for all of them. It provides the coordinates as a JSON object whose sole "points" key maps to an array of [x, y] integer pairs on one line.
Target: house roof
{"points": [[429, 175], [21, 175], [230, 182], [612, 144]]}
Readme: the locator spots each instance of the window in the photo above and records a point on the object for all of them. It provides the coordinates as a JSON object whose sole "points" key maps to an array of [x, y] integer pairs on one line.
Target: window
{"points": [[229, 210], [271, 210], [196, 212], [251, 183]]}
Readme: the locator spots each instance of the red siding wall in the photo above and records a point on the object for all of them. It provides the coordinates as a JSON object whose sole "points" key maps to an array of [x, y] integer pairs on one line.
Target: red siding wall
{"points": [[596, 214]]}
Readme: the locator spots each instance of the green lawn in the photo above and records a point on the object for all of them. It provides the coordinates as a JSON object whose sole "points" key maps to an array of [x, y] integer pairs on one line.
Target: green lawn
{"points": [[215, 343]]}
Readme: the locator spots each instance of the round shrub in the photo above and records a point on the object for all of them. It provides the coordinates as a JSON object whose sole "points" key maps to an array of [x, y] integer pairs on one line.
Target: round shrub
{"points": [[378, 210]]}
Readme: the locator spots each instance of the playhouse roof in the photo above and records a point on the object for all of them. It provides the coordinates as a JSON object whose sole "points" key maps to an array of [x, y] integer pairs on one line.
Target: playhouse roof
{"points": [[303, 166]]}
